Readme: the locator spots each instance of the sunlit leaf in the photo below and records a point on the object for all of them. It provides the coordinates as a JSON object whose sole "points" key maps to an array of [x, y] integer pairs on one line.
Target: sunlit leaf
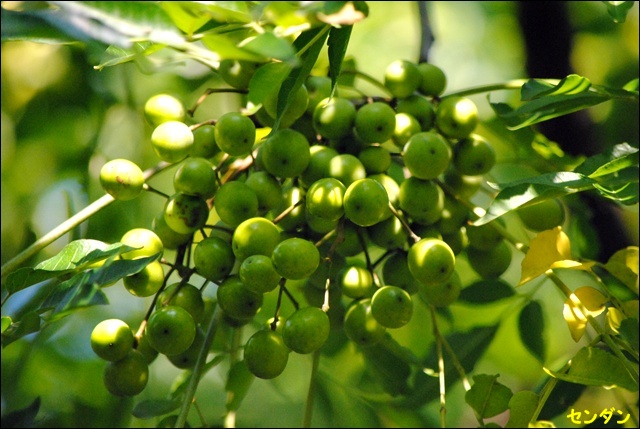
{"points": [[268, 45], [623, 264], [487, 396], [618, 10], [592, 366], [536, 88], [265, 79], [226, 48], [532, 190], [546, 108], [6, 322], [348, 14], [632, 85], [531, 329], [583, 302], [485, 291], [187, 16], [609, 161], [522, 407], [238, 383], [154, 408], [548, 249]]}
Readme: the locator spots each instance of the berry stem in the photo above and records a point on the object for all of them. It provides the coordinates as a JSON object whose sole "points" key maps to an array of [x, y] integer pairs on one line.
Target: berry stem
{"points": [[308, 410], [441, 373]]}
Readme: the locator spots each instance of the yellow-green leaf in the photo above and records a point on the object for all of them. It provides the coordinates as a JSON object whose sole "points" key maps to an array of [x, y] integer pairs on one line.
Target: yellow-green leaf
{"points": [[546, 249], [583, 300]]}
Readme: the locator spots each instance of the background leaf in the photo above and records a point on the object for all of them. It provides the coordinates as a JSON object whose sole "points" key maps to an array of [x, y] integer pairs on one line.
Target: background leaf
{"points": [[485, 291], [522, 406], [487, 396], [531, 329]]}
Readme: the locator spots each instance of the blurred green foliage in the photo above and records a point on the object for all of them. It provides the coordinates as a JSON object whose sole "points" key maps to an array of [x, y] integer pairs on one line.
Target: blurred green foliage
{"points": [[62, 119]]}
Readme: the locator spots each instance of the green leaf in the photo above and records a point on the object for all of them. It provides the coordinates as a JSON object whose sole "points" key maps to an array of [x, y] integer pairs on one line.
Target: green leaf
{"points": [[187, 16], [154, 408], [546, 108], [623, 264], [486, 291], [310, 43], [532, 190], [621, 186], [618, 157], [531, 328], [117, 23], [338, 43], [22, 418], [28, 324], [238, 383], [536, 88], [268, 45], [522, 406], [629, 331], [632, 85], [618, 10], [30, 27], [592, 366], [6, 322], [265, 79], [77, 292], [487, 396], [468, 346], [388, 367]]}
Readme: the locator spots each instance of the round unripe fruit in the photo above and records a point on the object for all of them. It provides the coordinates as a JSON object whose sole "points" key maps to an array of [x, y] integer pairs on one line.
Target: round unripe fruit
{"points": [[188, 358], [170, 238], [318, 167], [324, 198], [112, 339], [213, 258], [356, 281], [163, 108], [473, 156], [285, 153], [490, 264], [360, 325], [433, 80], [333, 118], [237, 300], [195, 176], [392, 306], [406, 126], [346, 168], [148, 242], [147, 282], [376, 159], [255, 236], [235, 134], [127, 376], [267, 189], [366, 202], [306, 330], [204, 142], [427, 155], [388, 234], [375, 122], [172, 141], [431, 261], [237, 73], [171, 330], [296, 108], [185, 214], [420, 108], [258, 274], [122, 179], [184, 295], [544, 215], [318, 88], [402, 78], [295, 258], [235, 202], [456, 117], [442, 294], [266, 354], [421, 200], [395, 271], [486, 236]]}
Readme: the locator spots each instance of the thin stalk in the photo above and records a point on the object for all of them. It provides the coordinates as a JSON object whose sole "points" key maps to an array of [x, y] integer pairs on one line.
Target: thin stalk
{"points": [[441, 374], [198, 368], [308, 411]]}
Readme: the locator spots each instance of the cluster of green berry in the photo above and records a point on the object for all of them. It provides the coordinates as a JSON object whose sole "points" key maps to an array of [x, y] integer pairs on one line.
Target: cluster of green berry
{"points": [[254, 207]]}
